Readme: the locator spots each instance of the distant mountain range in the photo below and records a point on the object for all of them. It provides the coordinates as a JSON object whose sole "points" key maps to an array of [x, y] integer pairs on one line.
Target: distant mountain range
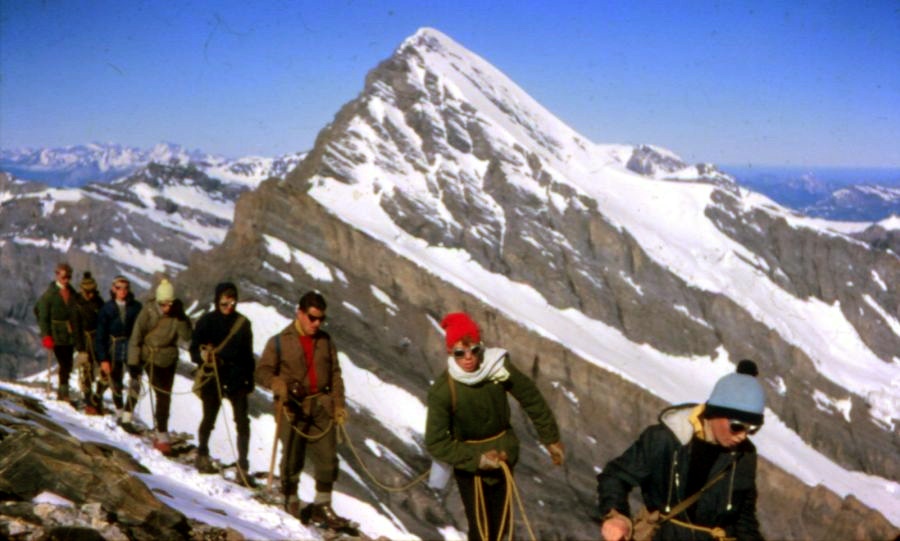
{"points": [[847, 193], [75, 166]]}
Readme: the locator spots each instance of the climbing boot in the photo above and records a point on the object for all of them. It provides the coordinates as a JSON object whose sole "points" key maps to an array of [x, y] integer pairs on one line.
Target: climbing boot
{"points": [[292, 507], [204, 464], [323, 516], [244, 478]]}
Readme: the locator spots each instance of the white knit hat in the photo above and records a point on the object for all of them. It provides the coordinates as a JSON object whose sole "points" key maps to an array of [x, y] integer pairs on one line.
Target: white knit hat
{"points": [[165, 291]]}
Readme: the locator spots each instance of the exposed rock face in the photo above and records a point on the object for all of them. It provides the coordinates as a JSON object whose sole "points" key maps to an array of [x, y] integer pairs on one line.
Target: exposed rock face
{"points": [[649, 161], [37, 456], [403, 348], [881, 239]]}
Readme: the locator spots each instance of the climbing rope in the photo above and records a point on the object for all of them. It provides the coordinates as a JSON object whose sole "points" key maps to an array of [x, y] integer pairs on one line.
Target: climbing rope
{"points": [[716, 533], [512, 492], [342, 432], [234, 452]]}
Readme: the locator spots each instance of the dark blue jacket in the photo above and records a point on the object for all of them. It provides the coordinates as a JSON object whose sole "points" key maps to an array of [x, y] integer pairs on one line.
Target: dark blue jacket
{"points": [[111, 328]]}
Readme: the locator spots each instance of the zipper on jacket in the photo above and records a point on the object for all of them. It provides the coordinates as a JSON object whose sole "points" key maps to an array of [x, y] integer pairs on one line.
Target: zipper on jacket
{"points": [[731, 480], [673, 480]]}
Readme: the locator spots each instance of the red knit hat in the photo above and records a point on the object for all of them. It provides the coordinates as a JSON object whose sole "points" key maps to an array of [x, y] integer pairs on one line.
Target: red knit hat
{"points": [[458, 326]]}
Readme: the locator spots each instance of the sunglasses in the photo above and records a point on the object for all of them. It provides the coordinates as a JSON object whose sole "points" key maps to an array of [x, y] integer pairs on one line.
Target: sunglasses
{"points": [[475, 350], [313, 318], [121, 288], [737, 427], [228, 304]]}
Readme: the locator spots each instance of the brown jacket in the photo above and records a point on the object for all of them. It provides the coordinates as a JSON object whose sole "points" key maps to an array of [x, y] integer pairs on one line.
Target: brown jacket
{"points": [[292, 364]]}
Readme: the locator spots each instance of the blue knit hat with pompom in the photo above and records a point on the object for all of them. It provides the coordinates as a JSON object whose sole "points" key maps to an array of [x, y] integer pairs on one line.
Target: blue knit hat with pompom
{"points": [[738, 396]]}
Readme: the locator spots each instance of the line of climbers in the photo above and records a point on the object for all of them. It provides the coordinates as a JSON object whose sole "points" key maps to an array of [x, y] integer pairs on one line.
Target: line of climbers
{"points": [[696, 468]]}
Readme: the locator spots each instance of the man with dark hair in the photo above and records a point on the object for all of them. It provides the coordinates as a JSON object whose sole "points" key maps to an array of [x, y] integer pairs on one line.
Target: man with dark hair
{"points": [[696, 468], [114, 325], [57, 313], [300, 366], [222, 347], [86, 359]]}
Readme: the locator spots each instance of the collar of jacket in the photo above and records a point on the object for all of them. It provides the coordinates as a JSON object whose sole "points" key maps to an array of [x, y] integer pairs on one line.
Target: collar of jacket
{"points": [[685, 422]]}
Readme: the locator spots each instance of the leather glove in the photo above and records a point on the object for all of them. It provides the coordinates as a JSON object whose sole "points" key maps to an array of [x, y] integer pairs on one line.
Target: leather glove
{"points": [[279, 388], [47, 342], [557, 453], [491, 460], [340, 415]]}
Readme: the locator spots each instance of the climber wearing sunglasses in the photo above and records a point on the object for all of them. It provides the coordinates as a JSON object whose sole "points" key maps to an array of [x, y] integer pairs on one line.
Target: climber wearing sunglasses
{"points": [[696, 468], [468, 430]]}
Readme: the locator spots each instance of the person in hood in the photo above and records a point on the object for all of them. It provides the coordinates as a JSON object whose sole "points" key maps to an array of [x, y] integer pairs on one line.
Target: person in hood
{"points": [[222, 347], [86, 359], [300, 366], [693, 449], [57, 314], [468, 421], [115, 322], [153, 346]]}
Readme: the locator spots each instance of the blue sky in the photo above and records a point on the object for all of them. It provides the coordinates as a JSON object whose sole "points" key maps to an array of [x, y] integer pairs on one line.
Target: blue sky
{"points": [[768, 83]]}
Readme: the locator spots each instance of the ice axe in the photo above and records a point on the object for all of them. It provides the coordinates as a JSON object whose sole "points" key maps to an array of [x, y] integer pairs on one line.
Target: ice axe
{"points": [[278, 408]]}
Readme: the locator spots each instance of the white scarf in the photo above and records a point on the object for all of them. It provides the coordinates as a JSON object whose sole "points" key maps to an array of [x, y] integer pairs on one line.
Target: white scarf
{"points": [[491, 368]]}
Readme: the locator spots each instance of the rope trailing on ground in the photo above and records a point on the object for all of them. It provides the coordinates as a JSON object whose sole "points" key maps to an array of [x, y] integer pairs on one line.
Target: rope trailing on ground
{"points": [[342, 431], [234, 452]]}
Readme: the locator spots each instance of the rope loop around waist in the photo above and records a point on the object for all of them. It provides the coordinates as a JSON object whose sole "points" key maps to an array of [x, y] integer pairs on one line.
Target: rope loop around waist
{"points": [[716, 533], [485, 440]]}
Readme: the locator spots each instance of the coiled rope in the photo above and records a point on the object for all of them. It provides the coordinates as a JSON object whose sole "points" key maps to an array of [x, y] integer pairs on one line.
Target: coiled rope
{"points": [[512, 492]]}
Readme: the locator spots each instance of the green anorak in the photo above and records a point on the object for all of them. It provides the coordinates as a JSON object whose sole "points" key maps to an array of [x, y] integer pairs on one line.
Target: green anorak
{"points": [[458, 431], [58, 318]]}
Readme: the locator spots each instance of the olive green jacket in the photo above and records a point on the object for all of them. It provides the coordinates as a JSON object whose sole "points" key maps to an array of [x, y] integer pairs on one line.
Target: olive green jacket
{"points": [[58, 319], [454, 434], [155, 336]]}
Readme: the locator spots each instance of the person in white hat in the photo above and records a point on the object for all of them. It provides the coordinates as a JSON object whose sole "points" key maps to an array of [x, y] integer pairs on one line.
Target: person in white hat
{"points": [[153, 346]]}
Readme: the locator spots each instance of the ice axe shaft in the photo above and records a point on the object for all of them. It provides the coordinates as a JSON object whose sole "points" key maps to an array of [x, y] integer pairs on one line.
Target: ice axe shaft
{"points": [[274, 444]]}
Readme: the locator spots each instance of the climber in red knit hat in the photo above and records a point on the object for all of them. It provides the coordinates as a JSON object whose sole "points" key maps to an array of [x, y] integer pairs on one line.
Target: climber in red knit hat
{"points": [[468, 424]]}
